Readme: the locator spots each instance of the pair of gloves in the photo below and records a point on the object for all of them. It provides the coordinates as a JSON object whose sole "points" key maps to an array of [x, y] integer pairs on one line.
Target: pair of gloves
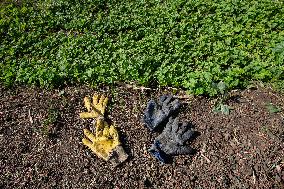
{"points": [[174, 135], [105, 142]]}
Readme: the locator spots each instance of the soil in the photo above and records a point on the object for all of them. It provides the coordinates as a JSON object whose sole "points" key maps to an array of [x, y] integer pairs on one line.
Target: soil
{"points": [[41, 133]]}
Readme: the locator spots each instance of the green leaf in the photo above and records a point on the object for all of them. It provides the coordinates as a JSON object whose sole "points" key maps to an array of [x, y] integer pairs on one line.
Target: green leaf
{"points": [[222, 108], [272, 108], [222, 87]]}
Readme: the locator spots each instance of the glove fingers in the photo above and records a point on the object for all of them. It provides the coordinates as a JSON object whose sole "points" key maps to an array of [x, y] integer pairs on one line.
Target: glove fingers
{"points": [[174, 105], [175, 125], [185, 125], [93, 109], [87, 103], [87, 143], [103, 102], [104, 129], [89, 135], [151, 107], [95, 99], [167, 100], [114, 134], [162, 99], [168, 128], [149, 115], [100, 127], [88, 115], [169, 108], [106, 132], [178, 150], [183, 128], [188, 135], [184, 150]]}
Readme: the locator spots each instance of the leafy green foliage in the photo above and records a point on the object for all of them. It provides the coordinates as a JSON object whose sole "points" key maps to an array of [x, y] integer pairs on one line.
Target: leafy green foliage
{"points": [[272, 108], [181, 43]]}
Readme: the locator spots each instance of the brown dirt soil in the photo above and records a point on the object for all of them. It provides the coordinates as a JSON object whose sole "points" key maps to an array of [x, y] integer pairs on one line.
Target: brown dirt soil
{"points": [[41, 133]]}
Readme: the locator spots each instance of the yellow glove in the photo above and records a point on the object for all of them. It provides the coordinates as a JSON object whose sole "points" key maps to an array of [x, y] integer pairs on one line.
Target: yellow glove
{"points": [[97, 108], [105, 143]]}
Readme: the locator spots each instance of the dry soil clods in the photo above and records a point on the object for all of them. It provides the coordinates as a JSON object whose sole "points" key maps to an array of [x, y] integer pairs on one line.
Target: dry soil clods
{"points": [[105, 142], [173, 137]]}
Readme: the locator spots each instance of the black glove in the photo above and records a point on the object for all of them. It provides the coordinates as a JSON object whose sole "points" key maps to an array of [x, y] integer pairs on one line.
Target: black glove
{"points": [[157, 113], [171, 140]]}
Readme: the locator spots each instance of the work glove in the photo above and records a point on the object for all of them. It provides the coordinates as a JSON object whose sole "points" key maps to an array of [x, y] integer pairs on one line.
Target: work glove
{"points": [[172, 140], [157, 113], [105, 143], [96, 108]]}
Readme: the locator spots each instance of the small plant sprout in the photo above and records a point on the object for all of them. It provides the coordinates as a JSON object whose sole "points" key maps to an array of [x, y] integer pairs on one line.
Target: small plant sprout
{"points": [[272, 108], [220, 105]]}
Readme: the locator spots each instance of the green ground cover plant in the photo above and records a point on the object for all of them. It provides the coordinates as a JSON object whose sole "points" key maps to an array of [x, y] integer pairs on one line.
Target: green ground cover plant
{"points": [[192, 44]]}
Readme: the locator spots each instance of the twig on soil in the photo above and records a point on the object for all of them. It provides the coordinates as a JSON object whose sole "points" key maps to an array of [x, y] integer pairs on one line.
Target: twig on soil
{"points": [[30, 117], [262, 135], [202, 154], [235, 134], [128, 86], [206, 158], [133, 86], [183, 96], [253, 176]]}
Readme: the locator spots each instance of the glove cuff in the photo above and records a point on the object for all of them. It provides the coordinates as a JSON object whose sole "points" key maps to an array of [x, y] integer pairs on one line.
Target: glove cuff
{"points": [[117, 156], [157, 152]]}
